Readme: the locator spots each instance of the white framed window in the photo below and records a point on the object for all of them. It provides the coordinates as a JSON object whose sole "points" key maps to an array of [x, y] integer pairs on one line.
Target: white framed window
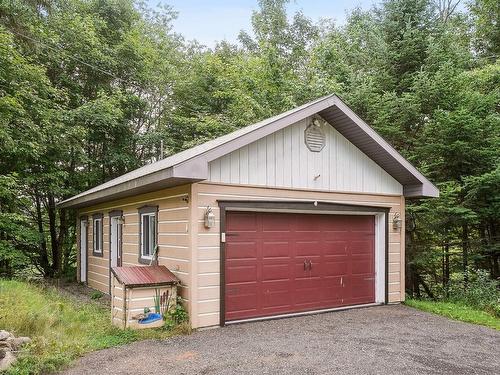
{"points": [[148, 233], [97, 234]]}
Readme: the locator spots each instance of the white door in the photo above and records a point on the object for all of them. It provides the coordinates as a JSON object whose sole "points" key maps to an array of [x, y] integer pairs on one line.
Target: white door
{"points": [[83, 251], [115, 241]]}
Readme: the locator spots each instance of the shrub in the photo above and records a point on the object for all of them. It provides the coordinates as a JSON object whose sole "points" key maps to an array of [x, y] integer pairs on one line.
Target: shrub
{"points": [[482, 292], [96, 294], [177, 316]]}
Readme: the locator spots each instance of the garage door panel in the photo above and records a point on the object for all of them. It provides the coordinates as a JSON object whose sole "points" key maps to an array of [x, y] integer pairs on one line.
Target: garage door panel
{"points": [[275, 223], [362, 266], [316, 268], [279, 271], [309, 296], [275, 249], [335, 247], [333, 290], [265, 270], [307, 283], [307, 248], [311, 225], [300, 271], [241, 273], [243, 304], [276, 293], [278, 300], [362, 288], [242, 250], [242, 222], [334, 268], [361, 247], [274, 236]]}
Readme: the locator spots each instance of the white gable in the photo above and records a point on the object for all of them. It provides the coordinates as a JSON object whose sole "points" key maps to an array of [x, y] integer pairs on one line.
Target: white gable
{"points": [[282, 159]]}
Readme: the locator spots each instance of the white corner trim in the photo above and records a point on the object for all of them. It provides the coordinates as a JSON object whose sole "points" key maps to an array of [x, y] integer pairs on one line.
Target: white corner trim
{"points": [[380, 239]]}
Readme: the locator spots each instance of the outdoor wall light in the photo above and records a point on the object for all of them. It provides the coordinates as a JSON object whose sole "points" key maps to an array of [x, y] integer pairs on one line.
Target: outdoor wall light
{"points": [[396, 221], [209, 218], [120, 220], [317, 122], [85, 223]]}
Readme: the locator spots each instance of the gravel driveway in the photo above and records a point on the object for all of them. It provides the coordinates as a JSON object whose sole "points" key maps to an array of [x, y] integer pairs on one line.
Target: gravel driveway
{"points": [[376, 340]]}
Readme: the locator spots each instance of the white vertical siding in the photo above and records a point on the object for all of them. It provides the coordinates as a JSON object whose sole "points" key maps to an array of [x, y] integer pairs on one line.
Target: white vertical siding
{"points": [[282, 160]]}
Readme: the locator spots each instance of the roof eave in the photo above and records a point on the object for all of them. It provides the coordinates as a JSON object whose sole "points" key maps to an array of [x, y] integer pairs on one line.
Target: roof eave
{"points": [[144, 184], [424, 190]]}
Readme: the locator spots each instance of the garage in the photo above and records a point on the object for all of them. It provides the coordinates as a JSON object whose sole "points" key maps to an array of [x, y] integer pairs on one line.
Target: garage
{"points": [[298, 213], [278, 263]]}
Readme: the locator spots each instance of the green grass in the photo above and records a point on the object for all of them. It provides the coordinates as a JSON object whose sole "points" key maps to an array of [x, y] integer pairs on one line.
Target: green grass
{"points": [[62, 328], [456, 311]]}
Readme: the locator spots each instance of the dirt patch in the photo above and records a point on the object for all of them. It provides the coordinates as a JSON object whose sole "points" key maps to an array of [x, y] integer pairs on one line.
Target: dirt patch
{"points": [[78, 292], [185, 356]]}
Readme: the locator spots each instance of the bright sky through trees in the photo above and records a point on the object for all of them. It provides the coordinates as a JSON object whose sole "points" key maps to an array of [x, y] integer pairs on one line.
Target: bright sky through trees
{"points": [[215, 20]]}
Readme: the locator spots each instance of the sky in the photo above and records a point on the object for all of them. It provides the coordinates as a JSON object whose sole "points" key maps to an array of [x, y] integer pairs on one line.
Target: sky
{"points": [[215, 20]]}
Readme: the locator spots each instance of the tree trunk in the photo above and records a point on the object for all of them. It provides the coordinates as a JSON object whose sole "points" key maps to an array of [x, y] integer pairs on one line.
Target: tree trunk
{"points": [[44, 256], [415, 285], [54, 240], [426, 287], [495, 255], [465, 253], [446, 270]]}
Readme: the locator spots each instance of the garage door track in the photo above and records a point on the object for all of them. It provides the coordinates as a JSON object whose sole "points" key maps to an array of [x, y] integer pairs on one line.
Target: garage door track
{"points": [[377, 340]]}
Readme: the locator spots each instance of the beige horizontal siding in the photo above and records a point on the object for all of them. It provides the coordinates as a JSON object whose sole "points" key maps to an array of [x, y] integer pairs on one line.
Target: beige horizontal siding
{"points": [[173, 239], [181, 225], [394, 267], [209, 278], [208, 319]]}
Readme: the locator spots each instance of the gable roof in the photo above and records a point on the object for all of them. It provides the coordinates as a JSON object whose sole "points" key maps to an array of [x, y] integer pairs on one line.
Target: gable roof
{"points": [[192, 165]]}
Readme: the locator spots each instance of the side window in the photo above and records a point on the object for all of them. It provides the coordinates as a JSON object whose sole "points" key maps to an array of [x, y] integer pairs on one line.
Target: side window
{"points": [[97, 234], [148, 233]]}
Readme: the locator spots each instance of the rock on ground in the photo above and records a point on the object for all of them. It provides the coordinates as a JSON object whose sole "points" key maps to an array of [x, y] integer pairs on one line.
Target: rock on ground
{"points": [[8, 360], [8, 346], [4, 335]]}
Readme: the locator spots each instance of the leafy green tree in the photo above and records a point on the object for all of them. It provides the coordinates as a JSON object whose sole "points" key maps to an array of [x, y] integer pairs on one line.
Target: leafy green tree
{"points": [[486, 16], [91, 89], [80, 109]]}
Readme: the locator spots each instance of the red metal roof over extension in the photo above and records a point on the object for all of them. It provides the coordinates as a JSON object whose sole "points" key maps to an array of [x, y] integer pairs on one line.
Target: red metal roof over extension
{"points": [[137, 276]]}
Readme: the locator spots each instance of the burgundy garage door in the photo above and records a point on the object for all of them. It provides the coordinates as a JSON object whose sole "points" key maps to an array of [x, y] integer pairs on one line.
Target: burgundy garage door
{"points": [[279, 263]]}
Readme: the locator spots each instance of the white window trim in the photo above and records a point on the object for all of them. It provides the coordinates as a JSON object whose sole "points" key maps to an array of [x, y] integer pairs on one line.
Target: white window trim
{"points": [[83, 250], [97, 248], [147, 257]]}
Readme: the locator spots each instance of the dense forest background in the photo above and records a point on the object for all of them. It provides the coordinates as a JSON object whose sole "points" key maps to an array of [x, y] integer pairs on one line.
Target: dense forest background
{"points": [[91, 89]]}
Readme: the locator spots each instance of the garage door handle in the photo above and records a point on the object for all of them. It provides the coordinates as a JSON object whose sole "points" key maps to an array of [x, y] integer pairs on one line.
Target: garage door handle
{"points": [[307, 265], [369, 278]]}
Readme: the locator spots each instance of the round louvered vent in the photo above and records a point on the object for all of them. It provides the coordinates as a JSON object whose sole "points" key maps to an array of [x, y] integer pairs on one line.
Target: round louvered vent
{"points": [[314, 137]]}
